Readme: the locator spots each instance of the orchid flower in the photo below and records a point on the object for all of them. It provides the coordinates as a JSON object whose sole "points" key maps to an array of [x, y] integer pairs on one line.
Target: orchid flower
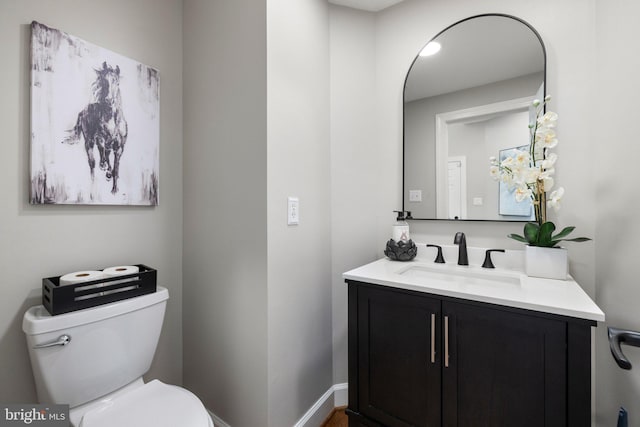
{"points": [[548, 120], [529, 174], [555, 198], [523, 192], [547, 137], [494, 171], [549, 161]]}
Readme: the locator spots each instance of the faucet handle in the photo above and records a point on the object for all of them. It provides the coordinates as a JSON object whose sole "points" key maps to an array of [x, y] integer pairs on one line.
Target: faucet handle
{"points": [[487, 258], [439, 258]]}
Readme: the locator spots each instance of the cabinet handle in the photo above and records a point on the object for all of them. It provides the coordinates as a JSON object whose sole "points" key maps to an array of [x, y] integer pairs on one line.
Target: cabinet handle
{"points": [[433, 338], [446, 341]]}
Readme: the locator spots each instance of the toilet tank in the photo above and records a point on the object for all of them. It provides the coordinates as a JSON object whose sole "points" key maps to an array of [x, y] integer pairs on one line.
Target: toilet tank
{"points": [[111, 345]]}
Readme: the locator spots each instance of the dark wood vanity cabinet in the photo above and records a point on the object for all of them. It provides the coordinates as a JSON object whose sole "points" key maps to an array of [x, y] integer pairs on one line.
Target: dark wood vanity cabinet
{"points": [[424, 360]]}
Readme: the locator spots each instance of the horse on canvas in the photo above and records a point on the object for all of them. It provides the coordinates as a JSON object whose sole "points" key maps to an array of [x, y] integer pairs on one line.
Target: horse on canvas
{"points": [[102, 124]]}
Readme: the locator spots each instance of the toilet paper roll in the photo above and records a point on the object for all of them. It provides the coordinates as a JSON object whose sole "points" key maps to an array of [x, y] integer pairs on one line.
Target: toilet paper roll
{"points": [[80, 276], [119, 270]]}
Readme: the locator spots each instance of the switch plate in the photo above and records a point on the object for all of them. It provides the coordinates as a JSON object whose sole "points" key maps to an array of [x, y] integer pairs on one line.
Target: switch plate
{"points": [[477, 201], [415, 195], [293, 211]]}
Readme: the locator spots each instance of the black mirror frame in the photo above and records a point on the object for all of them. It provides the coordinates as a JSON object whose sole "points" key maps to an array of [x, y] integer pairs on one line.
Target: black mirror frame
{"points": [[544, 54]]}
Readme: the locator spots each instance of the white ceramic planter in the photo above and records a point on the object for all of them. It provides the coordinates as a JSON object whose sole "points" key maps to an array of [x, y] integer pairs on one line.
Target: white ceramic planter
{"points": [[548, 263]]}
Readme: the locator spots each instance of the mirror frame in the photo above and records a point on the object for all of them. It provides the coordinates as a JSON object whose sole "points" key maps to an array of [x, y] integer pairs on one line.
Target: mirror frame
{"points": [[544, 79]]}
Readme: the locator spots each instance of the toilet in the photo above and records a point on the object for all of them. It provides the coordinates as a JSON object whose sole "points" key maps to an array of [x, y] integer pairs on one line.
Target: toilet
{"points": [[93, 360]]}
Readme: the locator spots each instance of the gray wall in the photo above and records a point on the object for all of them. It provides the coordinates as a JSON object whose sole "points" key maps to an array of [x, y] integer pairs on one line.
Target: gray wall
{"points": [[225, 215], [299, 281], [615, 147], [257, 308], [43, 241], [356, 179]]}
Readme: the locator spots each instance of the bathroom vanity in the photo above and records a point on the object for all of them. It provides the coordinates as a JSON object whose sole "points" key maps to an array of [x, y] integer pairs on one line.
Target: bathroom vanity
{"points": [[446, 345]]}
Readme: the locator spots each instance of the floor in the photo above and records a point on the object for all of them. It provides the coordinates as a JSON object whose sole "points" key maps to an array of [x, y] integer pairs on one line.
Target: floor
{"points": [[337, 419]]}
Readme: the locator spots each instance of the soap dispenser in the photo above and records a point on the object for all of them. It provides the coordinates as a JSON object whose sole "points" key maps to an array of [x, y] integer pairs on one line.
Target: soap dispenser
{"points": [[400, 230], [400, 247]]}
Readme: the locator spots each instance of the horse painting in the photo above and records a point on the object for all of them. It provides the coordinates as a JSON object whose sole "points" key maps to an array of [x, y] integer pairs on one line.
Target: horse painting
{"points": [[91, 106], [102, 125]]}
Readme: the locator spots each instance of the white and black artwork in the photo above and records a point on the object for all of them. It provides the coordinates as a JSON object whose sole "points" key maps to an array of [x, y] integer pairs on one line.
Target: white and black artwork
{"points": [[95, 127]]}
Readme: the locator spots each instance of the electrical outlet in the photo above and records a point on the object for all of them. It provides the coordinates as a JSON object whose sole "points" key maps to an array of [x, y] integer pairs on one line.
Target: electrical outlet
{"points": [[293, 211]]}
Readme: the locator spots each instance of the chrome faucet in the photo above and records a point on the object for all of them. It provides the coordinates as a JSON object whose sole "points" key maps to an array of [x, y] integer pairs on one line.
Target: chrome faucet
{"points": [[461, 241]]}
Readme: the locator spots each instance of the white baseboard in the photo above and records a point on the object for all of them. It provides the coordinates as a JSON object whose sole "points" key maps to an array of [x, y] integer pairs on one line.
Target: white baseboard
{"points": [[340, 395], [336, 396], [323, 406]]}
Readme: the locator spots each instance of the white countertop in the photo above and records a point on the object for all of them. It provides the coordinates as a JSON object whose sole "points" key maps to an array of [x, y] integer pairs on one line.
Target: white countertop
{"points": [[500, 286]]}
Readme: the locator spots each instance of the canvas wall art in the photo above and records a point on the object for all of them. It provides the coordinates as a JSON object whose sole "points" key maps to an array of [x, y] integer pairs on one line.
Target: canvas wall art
{"points": [[95, 125]]}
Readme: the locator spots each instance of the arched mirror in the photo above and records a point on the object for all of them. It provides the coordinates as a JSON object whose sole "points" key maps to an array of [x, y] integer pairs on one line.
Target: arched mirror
{"points": [[466, 102]]}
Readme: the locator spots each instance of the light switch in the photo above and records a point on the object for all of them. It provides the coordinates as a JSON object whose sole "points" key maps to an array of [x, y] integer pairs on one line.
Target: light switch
{"points": [[415, 195], [477, 201], [293, 211]]}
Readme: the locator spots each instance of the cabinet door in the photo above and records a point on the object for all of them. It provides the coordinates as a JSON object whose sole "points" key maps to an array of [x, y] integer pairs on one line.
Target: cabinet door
{"points": [[399, 375], [504, 369]]}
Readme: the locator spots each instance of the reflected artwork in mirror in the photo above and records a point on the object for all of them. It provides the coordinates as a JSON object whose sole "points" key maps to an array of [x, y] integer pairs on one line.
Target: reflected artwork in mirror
{"points": [[467, 97]]}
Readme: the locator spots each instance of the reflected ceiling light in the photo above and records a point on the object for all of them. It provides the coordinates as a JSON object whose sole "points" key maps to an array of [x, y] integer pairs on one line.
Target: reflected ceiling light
{"points": [[430, 49]]}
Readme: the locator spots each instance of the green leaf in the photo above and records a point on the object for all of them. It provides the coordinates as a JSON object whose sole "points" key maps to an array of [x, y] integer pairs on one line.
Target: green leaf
{"points": [[531, 232], [518, 238], [564, 233], [542, 235], [546, 229], [577, 239]]}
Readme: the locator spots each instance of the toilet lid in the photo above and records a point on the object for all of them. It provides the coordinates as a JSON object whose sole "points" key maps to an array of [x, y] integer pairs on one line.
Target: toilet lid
{"points": [[153, 404]]}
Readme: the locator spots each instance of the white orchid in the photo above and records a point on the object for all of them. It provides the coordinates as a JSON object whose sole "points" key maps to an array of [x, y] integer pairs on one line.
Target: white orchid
{"points": [[549, 161], [521, 158], [494, 171], [507, 162], [548, 120], [523, 192], [530, 175], [555, 198], [547, 182], [507, 179], [547, 137]]}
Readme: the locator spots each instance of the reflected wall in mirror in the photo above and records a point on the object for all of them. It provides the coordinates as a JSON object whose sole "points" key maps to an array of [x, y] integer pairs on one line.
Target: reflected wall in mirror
{"points": [[467, 102]]}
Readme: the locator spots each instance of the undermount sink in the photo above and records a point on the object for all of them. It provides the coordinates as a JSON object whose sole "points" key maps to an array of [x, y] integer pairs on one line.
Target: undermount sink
{"points": [[459, 274]]}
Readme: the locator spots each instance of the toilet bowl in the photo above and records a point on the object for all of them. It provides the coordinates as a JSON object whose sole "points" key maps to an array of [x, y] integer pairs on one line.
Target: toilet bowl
{"points": [[93, 360]]}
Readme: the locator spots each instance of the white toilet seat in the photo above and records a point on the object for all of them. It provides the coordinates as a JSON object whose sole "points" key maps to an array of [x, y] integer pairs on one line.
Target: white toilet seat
{"points": [[154, 404]]}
